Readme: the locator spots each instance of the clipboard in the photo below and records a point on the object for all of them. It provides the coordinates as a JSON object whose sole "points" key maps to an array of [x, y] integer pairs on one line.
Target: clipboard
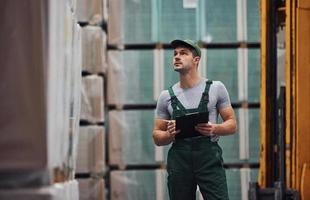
{"points": [[186, 124]]}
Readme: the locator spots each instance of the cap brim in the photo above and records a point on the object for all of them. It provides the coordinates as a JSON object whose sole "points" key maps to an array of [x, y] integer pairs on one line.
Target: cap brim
{"points": [[176, 43]]}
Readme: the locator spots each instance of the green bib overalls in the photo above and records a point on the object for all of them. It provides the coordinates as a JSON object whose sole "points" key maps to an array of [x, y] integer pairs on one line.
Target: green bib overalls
{"points": [[195, 161]]}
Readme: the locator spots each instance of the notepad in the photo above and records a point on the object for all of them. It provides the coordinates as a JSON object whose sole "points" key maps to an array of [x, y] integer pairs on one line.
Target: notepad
{"points": [[187, 123]]}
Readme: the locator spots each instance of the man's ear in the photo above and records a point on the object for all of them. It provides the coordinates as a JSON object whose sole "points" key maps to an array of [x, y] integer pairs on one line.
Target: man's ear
{"points": [[196, 59]]}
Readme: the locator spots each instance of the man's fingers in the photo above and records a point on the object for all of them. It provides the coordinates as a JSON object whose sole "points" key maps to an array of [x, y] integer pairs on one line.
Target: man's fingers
{"points": [[171, 127], [202, 128], [204, 125]]}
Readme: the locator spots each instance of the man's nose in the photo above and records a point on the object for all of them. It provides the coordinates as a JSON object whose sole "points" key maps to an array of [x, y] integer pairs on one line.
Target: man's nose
{"points": [[176, 57]]}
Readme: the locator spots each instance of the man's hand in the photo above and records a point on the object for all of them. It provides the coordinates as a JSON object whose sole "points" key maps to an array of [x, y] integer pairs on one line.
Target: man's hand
{"points": [[164, 131], [171, 126], [206, 128], [227, 127]]}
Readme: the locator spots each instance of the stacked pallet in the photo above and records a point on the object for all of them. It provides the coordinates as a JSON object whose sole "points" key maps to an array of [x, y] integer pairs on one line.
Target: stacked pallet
{"points": [[91, 160], [40, 107]]}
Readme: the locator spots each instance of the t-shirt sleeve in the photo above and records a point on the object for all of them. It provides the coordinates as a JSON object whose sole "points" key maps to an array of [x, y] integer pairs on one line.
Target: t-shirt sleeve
{"points": [[161, 111], [223, 99]]}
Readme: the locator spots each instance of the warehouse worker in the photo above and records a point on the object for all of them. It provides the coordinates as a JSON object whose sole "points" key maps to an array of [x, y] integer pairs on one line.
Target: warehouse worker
{"points": [[194, 158]]}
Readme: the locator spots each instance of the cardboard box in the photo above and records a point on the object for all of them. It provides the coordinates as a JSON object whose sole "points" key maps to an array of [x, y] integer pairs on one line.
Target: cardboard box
{"points": [[91, 150]]}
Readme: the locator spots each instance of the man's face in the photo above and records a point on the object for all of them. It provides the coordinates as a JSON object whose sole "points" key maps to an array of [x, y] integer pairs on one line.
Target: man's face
{"points": [[183, 59]]}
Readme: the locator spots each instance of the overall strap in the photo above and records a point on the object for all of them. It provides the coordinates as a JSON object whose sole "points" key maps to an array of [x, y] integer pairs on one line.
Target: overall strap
{"points": [[203, 105], [175, 103]]}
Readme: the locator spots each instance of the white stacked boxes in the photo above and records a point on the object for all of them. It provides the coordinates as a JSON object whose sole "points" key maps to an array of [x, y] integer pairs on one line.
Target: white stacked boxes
{"points": [[130, 138], [75, 97], [71, 189], [132, 22], [139, 185], [130, 77], [92, 102], [64, 82], [40, 101], [91, 150], [238, 182], [91, 11], [115, 19], [23, 101], [59, 191], [92, 189], [25, 117], [94, 48], [91, 147], [72, 5]]}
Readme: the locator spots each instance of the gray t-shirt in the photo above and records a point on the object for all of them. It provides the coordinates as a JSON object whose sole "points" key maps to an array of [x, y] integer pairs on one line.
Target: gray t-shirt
{"points": [[190, 99]]}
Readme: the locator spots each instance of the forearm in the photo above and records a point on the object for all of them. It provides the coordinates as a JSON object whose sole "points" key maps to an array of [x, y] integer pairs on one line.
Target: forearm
{"points": [[162, 138], [226, 128]]}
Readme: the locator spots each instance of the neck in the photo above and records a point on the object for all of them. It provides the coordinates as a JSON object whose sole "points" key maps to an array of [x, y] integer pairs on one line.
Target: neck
{"points": [[189, 80]]}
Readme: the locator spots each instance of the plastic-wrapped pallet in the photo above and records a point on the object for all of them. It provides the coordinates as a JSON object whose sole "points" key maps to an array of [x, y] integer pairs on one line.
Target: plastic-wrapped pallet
{"points": [[59, 191], [60, 85], [92, 101], [173, 17], [36, 104], [130, 138], [222, 65], [92, 189], [75, 98], [91, 11], [71, 189], [23, 103], [131, 22], [94, 49], [243, 146], [253, 135], [237, 69], [134, 22], [138, 185], [253, 20], [218, 21], [91, 150], [72, 5], [130, 77], [238, 182], [235, 21], [253, 75]]}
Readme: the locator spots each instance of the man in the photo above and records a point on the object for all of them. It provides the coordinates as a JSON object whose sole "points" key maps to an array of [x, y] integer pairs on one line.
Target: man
{"points": [[194, 158]]}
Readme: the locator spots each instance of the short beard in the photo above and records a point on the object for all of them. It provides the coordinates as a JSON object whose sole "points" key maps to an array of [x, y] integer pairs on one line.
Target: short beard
{"points": [[178, 69]]}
